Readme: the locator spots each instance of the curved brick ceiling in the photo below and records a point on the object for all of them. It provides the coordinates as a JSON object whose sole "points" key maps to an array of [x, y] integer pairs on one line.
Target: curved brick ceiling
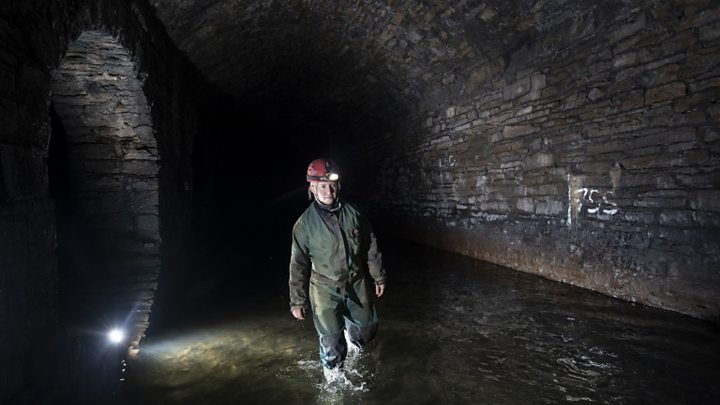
{"points": [[368, 57]]}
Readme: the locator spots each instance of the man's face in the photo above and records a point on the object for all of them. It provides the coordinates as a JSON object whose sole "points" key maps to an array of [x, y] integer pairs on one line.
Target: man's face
{"points": [[324, 191]]}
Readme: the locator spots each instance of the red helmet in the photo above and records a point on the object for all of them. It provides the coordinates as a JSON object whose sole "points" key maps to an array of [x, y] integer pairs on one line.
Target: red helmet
{"points": [[323, 170]]}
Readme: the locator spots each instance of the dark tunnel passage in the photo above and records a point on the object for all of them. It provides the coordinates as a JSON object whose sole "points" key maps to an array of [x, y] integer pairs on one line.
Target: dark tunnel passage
{"points": [[69, 275], [295, 101], [249, 188], [543, 179]]}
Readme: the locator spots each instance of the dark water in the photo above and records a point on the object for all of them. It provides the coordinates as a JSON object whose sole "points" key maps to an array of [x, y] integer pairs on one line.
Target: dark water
{"points": [[453, 330]]}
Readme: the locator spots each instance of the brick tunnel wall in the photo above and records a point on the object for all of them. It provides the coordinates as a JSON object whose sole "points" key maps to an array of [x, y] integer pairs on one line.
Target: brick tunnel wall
{"points": [[587, 154], [34, 37], [110, 228]]}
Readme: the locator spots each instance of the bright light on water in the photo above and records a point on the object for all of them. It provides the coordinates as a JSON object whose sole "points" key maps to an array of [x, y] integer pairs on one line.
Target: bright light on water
{"points": [[116, 336], [453, 331]]}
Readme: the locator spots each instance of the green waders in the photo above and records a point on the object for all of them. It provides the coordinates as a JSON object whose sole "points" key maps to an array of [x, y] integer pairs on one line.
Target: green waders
{"points": [[337, 251], [342, 307]]}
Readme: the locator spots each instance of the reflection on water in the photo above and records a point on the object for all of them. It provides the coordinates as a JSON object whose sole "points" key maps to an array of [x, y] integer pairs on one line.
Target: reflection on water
{"points": [[453, 330]]}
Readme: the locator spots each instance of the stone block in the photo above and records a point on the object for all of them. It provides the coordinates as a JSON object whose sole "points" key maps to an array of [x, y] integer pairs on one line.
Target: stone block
{"points": [[705, 200], [696, 118], [610, 146], [665, 116], [538, 160], [710, 32], [648, 162], [145, 201], [667, 193], [683, 104], [595, 167], [574, 101], [679, 43], [550, 207], [512, 131], [526, 204], [704, 89], [665, 92], [537, 84], [665, 138], [639, 217], [148, 225], [544, 190], [635, 23], [537, 115], [629, 43], [486, 72], [698, 18], [714, 112], [632, 58], [682, 147], [595, 94], [137, 151], [146, 134], [655, 76], [398, 18], [516, 89], [675, 203], [494, 206], [510, 164], [145, 185], [700, 62], [707, 219], [679, 218], [620, 86], [140, 167]]}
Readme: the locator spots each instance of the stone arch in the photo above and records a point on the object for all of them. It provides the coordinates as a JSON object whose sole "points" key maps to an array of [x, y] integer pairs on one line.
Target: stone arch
{"points": [[108, 209]]}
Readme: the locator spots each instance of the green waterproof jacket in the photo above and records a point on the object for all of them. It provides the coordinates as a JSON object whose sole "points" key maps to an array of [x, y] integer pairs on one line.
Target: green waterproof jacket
{"points": [[331, 248]]}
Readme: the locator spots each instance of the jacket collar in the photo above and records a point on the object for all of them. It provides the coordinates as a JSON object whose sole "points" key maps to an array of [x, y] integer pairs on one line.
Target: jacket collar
{"points": [[335, 207]]}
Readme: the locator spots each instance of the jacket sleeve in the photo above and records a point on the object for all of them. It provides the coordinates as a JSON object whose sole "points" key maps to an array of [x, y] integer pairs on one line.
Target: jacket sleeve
{"points": [[375, 265], [299, 267]]}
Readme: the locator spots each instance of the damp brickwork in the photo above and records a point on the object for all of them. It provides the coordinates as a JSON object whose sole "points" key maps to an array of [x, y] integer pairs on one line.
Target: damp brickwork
{"points": [[129, 148], [587, 154]]}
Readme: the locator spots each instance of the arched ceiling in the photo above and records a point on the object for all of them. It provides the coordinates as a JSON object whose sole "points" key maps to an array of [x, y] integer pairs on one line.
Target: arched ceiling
{"points": [[369, 58]]}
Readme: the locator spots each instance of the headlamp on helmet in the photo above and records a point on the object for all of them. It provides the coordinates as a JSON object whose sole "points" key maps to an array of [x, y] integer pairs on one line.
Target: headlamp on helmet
{"points": [[322, 170]]}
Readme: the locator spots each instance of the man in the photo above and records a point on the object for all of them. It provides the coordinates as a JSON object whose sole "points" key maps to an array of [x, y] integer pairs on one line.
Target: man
{"points": [[334, 254]]}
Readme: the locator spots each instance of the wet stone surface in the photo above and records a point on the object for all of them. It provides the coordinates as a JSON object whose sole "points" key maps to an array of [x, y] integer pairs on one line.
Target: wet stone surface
{"points": [[453, 330]]}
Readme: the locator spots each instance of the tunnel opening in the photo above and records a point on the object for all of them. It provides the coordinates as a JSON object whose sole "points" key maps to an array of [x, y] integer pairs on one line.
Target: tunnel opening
{"points": [[249, 187], [103, 169], [295, 96]]}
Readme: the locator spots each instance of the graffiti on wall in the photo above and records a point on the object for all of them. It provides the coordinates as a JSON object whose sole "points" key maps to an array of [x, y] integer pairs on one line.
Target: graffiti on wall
{"points": [[587, 201], [446, 162], [595, 202]]}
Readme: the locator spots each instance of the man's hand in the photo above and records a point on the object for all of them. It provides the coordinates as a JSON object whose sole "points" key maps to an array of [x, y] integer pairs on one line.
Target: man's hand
{"points": [[298, 313], [379, 289]]}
